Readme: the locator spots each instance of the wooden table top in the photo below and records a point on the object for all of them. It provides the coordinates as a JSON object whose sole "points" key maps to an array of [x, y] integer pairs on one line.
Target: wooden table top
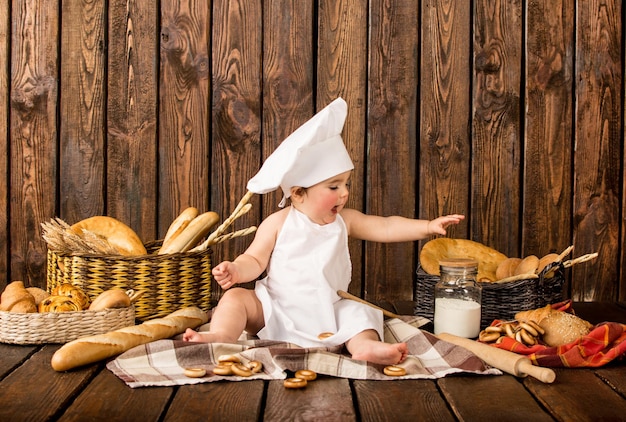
{"points": [[31, 391]]}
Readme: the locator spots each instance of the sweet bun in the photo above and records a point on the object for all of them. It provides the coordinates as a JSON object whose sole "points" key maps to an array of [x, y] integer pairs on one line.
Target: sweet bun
{"points": [[121, 237], [74, 293], [442, 248], [507, 268], [563, 328], [15, 298], [59, 303], [528, 265]]}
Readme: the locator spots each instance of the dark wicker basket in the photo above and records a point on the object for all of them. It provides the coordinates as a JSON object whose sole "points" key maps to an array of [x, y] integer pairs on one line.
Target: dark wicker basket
{"points": [[168, 282], [499, 300]]}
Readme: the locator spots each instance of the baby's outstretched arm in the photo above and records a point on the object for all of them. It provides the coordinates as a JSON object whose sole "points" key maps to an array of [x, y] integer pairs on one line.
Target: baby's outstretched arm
{"points": [[439, 224]]}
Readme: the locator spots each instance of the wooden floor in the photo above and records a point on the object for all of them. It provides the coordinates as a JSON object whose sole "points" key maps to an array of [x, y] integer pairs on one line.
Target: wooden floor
{"points": [[31, 391]]}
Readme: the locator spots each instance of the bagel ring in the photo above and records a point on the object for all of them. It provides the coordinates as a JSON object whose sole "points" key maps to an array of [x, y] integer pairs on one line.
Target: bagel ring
{"points": [[228, 358], [220, 369], [306, 374], [255, 366], [394, 371], [295, 383], [323, 336], [241, 370], [194, 372]]}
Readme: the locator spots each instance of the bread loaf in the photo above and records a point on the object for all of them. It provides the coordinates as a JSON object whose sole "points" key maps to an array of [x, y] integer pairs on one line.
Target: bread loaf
{"points": [[179, 224], [198, 228], [86, 350], [121, 237], [15, 298], [112, 298], [38, 293]]}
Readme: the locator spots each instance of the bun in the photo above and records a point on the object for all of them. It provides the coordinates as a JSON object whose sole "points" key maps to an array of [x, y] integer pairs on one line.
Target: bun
{"points": [[546, 260], [507, 268], [92, 349], [38, 294], [563, 328], [113, 298], [444, 248], [15, 298], [534, 315], [121, 237], [528, 265]]}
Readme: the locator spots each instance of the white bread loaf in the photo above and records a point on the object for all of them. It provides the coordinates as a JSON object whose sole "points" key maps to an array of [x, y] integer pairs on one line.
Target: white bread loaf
{"points": [[92, 349]]}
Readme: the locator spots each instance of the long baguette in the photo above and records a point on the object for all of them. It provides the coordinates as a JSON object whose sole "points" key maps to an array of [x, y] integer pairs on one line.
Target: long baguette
{"points": [[198, 228], [179, 224], [91, 349]]}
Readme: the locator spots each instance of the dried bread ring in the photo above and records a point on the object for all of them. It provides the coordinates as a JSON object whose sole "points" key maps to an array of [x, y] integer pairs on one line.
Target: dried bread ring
{"points": [[325, 335], [240, 370], [436, 250], [221, 369], [255, 366], [306, 374], [295, 383], [121, 237], [194, 372], [228, 358], [394, 371]]}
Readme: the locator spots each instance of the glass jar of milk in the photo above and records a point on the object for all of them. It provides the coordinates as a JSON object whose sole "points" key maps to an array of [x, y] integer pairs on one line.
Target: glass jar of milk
{"points": [[457, 298]]}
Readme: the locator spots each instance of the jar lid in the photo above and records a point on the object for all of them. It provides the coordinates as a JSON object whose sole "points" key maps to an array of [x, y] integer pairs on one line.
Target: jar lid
{"points": [[458, 263]]}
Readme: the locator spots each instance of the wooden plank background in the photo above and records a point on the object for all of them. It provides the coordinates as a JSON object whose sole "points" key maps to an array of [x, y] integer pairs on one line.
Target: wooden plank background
{"points": [[510, 112]]}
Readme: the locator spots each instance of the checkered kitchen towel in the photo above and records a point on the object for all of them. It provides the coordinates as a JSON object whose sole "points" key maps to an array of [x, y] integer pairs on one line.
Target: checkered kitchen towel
{"points": [[162, 363]]}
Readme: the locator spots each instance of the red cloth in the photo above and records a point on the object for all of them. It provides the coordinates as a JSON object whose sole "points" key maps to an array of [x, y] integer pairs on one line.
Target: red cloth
{"points": [[604, 343]]}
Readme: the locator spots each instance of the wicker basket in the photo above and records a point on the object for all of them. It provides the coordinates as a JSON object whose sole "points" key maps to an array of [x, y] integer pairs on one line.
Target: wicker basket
{"points": [[61, 327], [168, 282], [499, 300]]}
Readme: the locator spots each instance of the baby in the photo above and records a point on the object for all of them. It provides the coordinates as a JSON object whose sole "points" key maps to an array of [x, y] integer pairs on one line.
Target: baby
{"points": [[304, 249]]}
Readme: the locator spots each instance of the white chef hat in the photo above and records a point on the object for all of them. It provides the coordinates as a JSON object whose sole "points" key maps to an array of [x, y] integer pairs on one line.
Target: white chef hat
{"points": [[313, 153]]}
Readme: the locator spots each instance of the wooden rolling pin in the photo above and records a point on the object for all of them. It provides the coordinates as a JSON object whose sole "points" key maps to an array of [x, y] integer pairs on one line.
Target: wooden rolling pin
{"points": [[506, 361], [347, 295]]}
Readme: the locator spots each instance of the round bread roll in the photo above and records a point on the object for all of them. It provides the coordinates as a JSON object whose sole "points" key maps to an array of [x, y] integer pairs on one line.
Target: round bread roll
{"points": [[528, 265], [444, 248], [38, 294], [507, 268], [121, 237], [563, 328], [546, 260], [112, 298]]}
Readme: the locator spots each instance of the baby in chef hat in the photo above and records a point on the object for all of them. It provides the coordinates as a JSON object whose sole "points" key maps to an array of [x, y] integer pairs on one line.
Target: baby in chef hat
{"points": [[304, 249]]}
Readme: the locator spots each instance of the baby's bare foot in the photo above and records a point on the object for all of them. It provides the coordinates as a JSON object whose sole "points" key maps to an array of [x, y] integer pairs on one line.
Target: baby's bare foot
{"points": [[383, 353]]}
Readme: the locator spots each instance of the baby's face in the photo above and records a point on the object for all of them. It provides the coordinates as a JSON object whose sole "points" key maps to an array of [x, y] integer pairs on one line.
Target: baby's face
{"points": [[323, 201]]}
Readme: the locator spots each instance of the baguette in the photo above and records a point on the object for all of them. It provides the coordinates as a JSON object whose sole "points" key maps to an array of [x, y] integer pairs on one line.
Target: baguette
{"points": [[198, 228], [179, 224], [91, 349]]}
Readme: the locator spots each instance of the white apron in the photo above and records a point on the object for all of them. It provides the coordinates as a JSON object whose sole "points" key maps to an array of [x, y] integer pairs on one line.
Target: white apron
{"points": [[310, 262]]}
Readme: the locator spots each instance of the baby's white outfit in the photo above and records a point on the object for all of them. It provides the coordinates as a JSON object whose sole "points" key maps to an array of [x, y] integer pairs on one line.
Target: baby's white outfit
{"points": [[310, 262]]}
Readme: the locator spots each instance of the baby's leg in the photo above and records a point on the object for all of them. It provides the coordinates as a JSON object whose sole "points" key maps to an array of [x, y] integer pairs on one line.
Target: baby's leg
{"points": [[367, 346], [239, 309]]}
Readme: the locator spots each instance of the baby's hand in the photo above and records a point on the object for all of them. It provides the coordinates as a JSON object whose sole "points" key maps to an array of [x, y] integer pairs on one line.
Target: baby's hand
{"points": [[226, 274], [438, 225]]}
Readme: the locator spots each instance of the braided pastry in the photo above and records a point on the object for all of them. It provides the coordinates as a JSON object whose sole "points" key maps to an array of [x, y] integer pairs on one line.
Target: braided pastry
{"points": [[73, 292], [59, 303]]}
